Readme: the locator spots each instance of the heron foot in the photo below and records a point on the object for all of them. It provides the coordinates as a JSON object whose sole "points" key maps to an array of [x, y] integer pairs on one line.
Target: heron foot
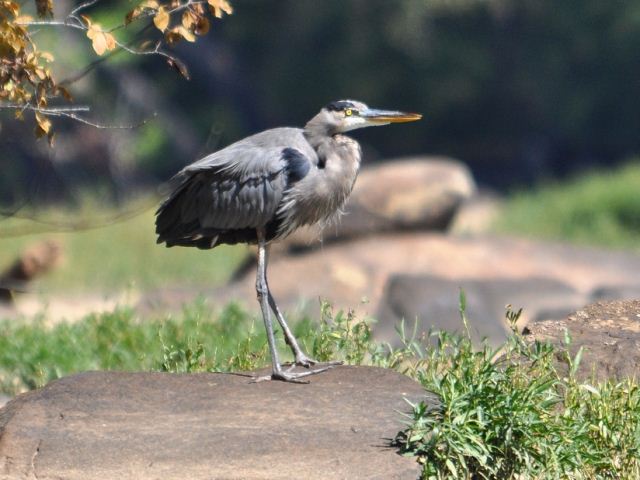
{"points": [[306, 362], [293, 377]]}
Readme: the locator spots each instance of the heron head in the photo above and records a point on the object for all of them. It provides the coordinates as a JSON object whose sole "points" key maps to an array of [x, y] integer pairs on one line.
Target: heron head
{"points": [[344, 115]]}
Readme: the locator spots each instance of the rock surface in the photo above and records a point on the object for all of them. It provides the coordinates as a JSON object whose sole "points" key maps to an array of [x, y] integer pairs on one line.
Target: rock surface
{"points": [[609, 333], [434, 303], [564, 277], [422, 193], [111, 425], [34, 261]]}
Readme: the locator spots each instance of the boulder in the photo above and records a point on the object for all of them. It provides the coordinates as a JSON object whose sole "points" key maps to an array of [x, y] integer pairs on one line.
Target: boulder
{"points": [[478, 214], [618, 292], [402, 194], [355, 274], [115, 425], [608, 332], [34, 261], [433, 302]]}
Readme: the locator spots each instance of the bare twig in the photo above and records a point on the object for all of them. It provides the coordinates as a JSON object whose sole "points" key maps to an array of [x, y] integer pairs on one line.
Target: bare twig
{"points": [[12, 106], [82, 6], [70, 112], [41, 225]]}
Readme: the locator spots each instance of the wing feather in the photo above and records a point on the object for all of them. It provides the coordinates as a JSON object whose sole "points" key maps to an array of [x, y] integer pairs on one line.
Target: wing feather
{"points": [[227, 195]]}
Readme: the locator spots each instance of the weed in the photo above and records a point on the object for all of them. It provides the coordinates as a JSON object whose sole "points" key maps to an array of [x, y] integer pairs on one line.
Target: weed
{"points": [[502, 413]]}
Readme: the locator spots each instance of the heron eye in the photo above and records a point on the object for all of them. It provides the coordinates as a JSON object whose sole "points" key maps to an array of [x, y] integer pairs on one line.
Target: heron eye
{"points": [[348, 112]]}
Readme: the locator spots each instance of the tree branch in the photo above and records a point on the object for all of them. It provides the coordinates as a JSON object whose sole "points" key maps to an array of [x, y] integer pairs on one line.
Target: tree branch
{"points": [[70, 112]]}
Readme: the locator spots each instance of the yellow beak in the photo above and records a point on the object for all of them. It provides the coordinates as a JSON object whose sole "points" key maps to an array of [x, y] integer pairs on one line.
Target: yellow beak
{"points": [[389, 116]]}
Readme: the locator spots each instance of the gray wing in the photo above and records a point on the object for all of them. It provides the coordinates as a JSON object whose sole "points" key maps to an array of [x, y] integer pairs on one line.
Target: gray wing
{"points": [[226, 196]]}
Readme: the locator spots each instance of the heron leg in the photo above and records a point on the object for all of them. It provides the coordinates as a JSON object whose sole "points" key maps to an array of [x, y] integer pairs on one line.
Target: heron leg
{"points": [[262, 291], [301, 358], [265, 298]]}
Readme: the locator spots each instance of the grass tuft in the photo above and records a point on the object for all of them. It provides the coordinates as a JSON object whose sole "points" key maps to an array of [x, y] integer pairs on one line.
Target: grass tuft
{"points": [[507, 413]]}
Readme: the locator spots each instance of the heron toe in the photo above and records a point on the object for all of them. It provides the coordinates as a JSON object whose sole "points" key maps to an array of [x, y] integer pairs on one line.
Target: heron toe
{"points": [[293, 377], [289, 376], [303, 361], [306, 362]]}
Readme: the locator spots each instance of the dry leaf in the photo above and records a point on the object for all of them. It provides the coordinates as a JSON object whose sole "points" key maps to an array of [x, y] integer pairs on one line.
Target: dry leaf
{"points": [[13, 7], [44, 7], [64, 92], [87, 21], [44, 124], [202, 26], [180, 67], [99, 43], [220, 6], [161, 19], [186, 34], [111, 41], [132, 15], [24, 19], [188, 19], [153, 4], [47, 56], [172, 36]]}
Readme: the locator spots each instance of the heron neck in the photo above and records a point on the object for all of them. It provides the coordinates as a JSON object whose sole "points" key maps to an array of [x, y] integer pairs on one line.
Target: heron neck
{"points": [[317, 132]]}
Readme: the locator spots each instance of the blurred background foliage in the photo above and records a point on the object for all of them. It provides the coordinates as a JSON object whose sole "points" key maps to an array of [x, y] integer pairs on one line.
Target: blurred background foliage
{"points": [[519, 90], [531, 94]]}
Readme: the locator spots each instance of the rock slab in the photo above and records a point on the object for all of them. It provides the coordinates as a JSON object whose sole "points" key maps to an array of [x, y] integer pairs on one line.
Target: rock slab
{"points": [[116, 425], [433, 302], [608, 333]]}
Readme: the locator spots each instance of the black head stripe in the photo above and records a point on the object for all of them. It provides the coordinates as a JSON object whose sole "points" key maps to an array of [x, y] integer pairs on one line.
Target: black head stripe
{"points": [[339, 106]]}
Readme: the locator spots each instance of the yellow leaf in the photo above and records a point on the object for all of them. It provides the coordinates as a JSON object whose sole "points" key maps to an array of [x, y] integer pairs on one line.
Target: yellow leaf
{"points": [[150, 4], [44, 7], [47, 56], [94, 29], [23, 19], [87, 21], [220, 6], [186, 34], [202, 26], [132, 15], [99, 43], [161, 19], [64, 92], [43, 122], [172, 36], [111, 41], [13, 7], [188, 19]]}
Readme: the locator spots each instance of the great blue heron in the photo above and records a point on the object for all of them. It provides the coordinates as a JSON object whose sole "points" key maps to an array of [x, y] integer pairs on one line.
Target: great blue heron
{"points": [[264, 187]]}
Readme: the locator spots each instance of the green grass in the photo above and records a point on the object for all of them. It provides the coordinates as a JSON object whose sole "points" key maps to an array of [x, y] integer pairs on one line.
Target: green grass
{"points": [[198, 339], [120, 255], [505, 413], [32, 354], [597, 208]]}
